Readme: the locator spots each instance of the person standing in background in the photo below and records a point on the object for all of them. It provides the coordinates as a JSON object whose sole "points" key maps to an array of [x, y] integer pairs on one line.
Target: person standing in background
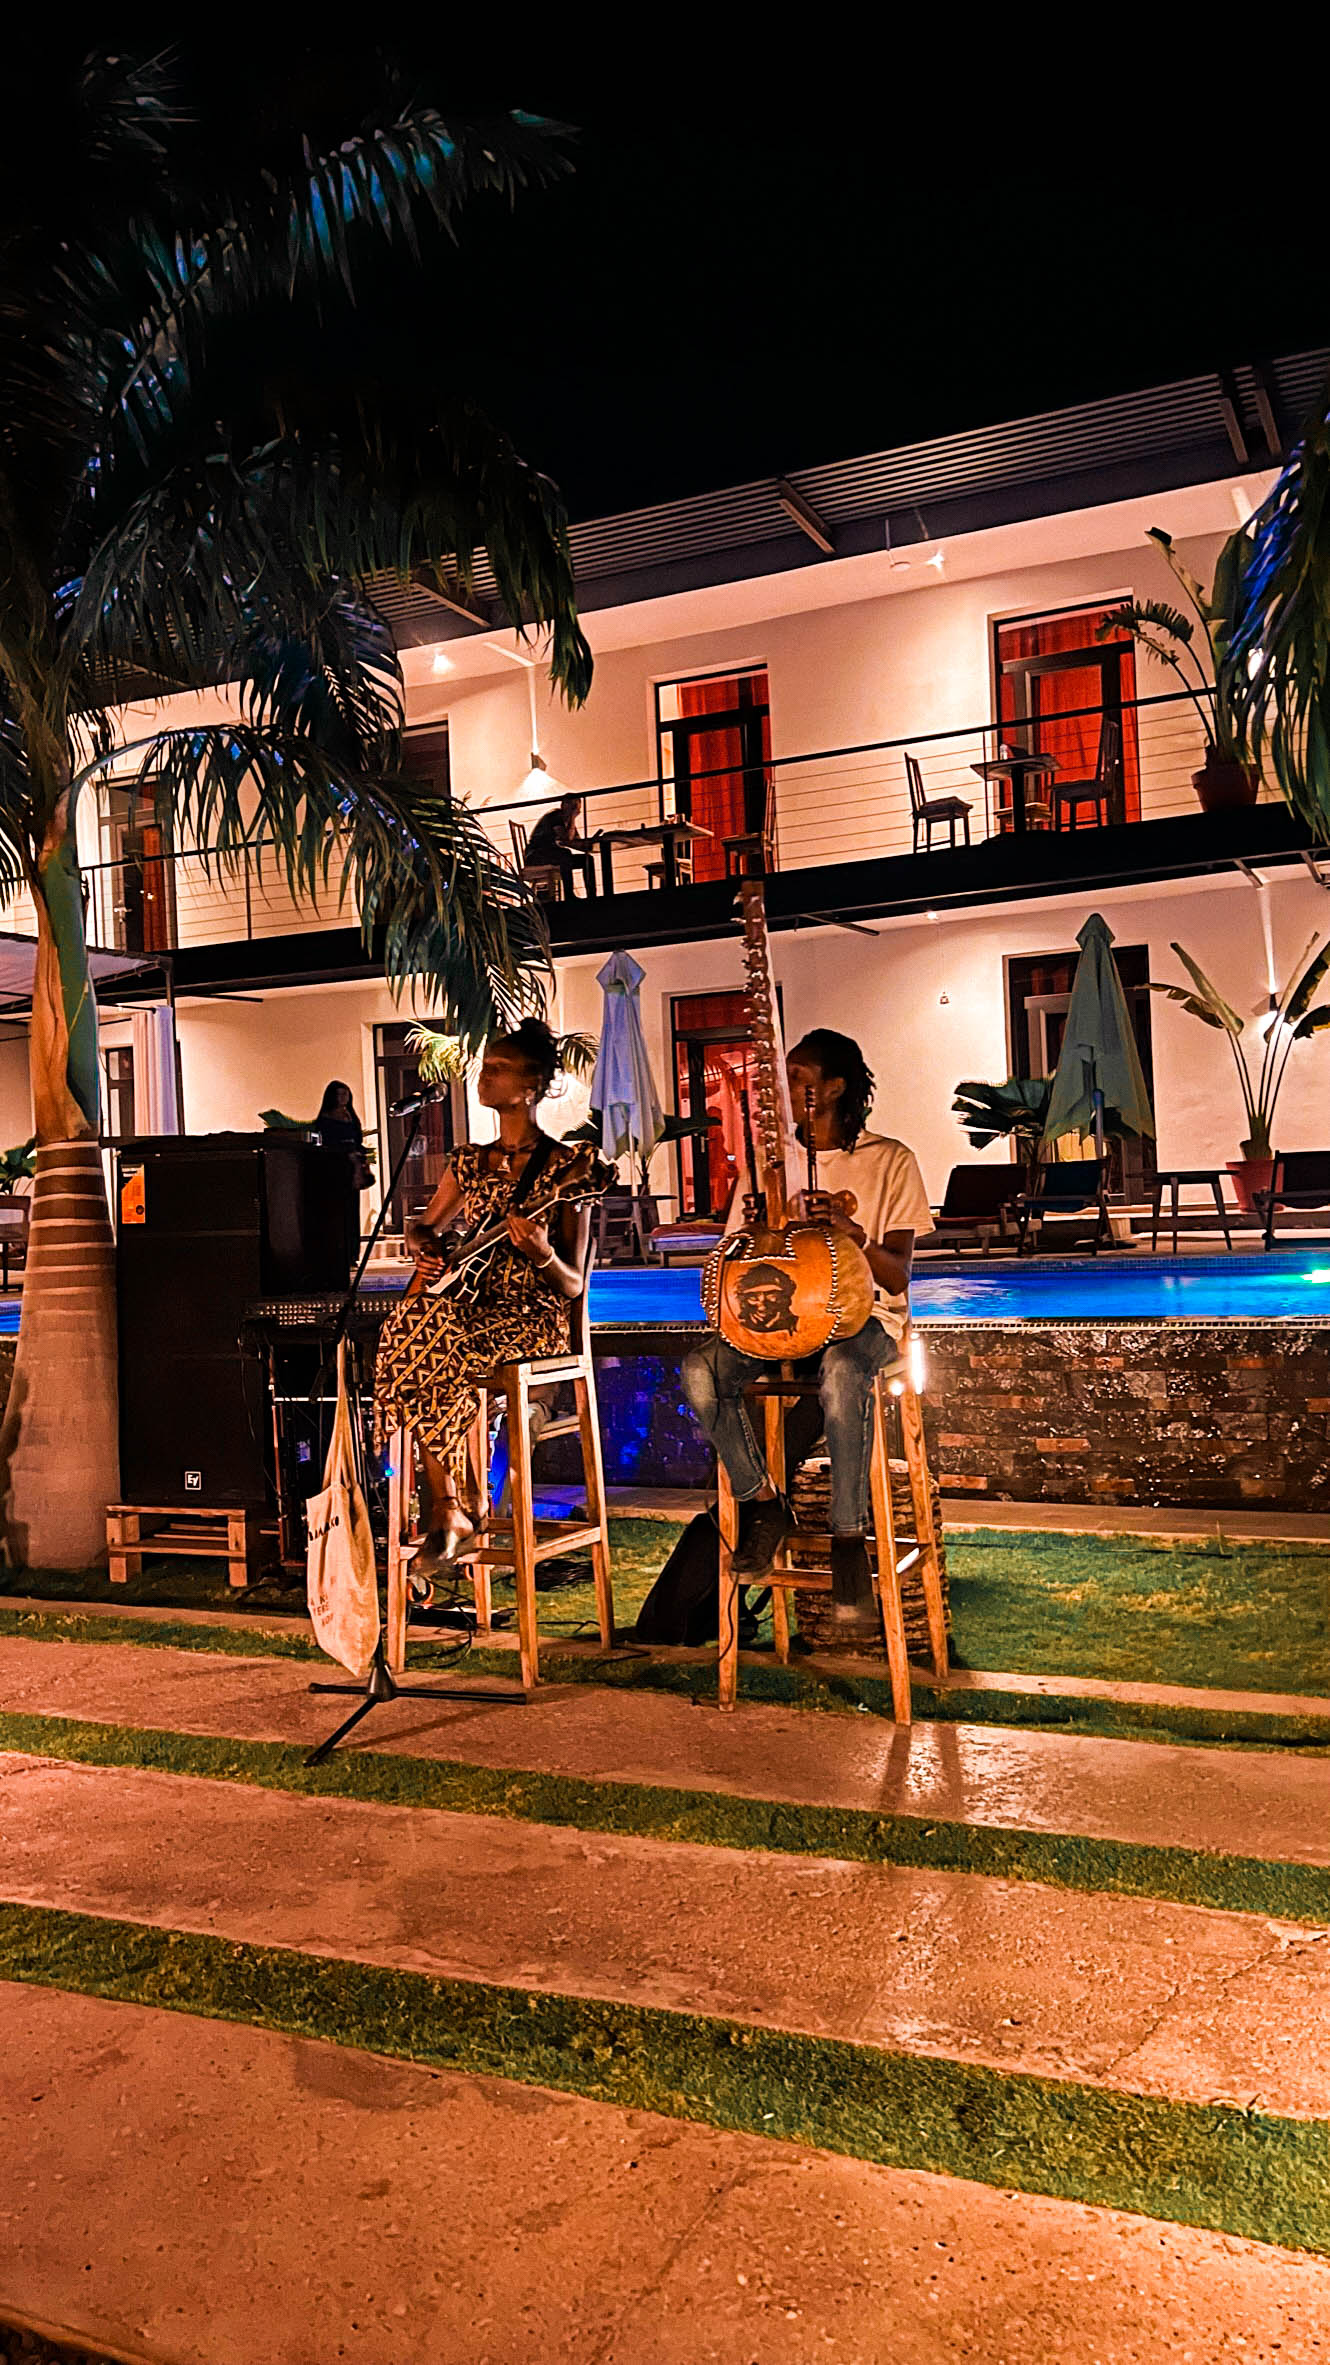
{"points": [[337, 1127]]}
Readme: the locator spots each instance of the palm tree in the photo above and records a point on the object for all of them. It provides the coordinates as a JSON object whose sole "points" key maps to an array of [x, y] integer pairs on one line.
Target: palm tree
{"points": [[198, 473]]}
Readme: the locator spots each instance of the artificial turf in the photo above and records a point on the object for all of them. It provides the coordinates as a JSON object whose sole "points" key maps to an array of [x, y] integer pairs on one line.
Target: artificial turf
{"points": [[1214, 1614], [1235, 2171], [1283, 1890]]}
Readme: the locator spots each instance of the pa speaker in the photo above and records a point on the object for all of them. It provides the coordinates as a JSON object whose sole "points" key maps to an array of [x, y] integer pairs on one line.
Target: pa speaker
{"points": [[208, 1223]]}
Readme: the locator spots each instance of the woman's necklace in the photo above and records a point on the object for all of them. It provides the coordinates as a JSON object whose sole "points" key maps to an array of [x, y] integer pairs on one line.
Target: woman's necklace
{"points": [[510, 1151]]}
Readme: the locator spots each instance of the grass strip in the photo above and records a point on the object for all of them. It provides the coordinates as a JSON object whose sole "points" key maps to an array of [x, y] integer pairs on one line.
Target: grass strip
{"points": [[794, 1686], [718, 1819], [1211, 2165]]}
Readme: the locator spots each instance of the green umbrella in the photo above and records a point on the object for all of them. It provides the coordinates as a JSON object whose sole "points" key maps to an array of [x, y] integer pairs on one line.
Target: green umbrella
{"points": [[1099, 1086]]}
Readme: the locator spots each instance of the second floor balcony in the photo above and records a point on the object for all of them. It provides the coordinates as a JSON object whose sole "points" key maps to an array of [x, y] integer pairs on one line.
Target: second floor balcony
{"points": [[1060, 797]]}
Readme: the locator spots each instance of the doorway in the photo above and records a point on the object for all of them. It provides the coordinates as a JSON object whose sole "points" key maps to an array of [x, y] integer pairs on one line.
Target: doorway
{"points": [[713, 738], [1038, 998], [442, 1125], [1057, 685]]}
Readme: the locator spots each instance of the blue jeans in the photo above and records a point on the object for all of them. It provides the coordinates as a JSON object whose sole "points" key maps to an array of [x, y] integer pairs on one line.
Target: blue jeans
{"points": [[715, 1375]]}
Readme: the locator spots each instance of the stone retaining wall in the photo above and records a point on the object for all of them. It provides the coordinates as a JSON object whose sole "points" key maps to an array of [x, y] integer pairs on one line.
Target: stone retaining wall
{"points": [[1201, 1415], [1206, 1415]]}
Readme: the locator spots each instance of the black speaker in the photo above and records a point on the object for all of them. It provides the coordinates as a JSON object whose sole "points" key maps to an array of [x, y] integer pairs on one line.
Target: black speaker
{"points": [[207, 1223]]}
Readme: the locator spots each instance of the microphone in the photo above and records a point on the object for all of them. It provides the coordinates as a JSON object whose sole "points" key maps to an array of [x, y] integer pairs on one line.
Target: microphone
{"points": [[423, 1099]]}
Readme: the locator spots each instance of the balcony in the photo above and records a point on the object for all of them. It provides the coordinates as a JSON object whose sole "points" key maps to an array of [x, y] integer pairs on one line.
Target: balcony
{"points": [[844, 839]]}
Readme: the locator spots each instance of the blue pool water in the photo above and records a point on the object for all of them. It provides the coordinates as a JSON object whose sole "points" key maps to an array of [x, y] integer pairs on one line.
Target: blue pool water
{"points": [[1278, 1288]]}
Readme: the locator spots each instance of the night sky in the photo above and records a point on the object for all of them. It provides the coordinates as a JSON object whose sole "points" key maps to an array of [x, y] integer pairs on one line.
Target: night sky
{"points": [[741, 280]]}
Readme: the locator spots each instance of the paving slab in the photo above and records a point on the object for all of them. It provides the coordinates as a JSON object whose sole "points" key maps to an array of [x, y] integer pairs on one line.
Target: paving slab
{"points": [[205, 2194], [1250, 1803], [1149, 1997]]}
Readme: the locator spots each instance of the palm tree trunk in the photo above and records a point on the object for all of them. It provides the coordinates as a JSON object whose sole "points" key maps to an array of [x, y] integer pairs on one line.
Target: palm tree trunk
{"points": [[59, 1443]]}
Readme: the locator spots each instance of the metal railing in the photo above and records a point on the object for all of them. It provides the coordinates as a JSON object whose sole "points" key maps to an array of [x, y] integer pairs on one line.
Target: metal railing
{"points": [[832, 805]]}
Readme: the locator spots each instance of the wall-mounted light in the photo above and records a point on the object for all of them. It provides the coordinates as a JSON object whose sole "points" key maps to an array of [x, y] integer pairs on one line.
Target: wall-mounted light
{"points": [[441, 662]]}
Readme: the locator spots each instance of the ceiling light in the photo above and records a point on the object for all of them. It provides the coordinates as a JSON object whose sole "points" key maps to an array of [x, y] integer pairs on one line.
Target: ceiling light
{"points": [[931, 915], [442, 662], [937, 560], [900, 566]]}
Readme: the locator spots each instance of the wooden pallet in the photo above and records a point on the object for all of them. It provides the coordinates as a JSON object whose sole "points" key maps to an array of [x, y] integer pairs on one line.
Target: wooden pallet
{"points": [[133, 1529]]}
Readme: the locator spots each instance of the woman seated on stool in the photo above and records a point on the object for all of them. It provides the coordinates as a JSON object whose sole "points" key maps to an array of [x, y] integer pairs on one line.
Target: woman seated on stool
{"points": [[436, 1353]]}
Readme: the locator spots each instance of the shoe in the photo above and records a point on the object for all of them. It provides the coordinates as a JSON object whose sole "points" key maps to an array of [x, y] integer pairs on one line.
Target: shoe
{"points": [[766, 1532], [853, 1610], [440, 1547]]}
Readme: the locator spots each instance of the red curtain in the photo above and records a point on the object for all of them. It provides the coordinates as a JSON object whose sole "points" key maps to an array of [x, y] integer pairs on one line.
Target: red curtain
{"points": [[717, 799], [1061, 730], [725, 1067]]}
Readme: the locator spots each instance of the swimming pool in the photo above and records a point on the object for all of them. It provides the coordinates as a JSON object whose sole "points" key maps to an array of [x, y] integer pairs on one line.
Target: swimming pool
{"points": [[1278, 1288]]}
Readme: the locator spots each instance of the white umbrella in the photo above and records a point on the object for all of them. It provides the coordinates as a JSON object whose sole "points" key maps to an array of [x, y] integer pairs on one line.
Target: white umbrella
{"points": [[623, 1089]]}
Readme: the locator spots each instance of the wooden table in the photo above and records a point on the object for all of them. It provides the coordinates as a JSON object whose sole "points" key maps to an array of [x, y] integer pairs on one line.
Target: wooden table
{"points": [[1018, 769], [668, 835], [1169, 1177]]}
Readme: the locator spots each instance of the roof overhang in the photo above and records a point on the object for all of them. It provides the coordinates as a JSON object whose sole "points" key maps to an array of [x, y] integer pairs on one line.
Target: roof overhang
{"points": [[18, 962]]}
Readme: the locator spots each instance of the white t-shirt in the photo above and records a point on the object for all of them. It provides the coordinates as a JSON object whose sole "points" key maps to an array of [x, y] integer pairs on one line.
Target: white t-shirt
{"points": [[889, 1196]]}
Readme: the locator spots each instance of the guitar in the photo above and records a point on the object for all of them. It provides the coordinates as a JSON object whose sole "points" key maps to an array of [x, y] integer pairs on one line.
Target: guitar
{"points": [[785, 1285], [467, 1254]]}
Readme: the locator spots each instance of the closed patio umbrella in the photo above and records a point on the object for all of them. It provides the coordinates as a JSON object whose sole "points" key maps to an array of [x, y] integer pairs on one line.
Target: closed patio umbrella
{"points": [[623, 1088], [1099, 1086]]}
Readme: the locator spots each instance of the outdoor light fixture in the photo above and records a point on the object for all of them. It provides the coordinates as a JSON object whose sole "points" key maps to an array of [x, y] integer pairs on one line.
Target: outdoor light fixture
{"points": [[900, 566], [442, 662], [937, 560]]}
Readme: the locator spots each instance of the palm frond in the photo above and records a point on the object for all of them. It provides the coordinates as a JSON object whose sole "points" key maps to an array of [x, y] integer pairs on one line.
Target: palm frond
{"points": [[440, 1059], [1276, 670], [1136, 615]]}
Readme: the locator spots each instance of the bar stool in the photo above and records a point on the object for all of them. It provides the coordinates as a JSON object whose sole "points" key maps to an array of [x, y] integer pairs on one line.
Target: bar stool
{"points": [[894, 1553], [521, 1541]]}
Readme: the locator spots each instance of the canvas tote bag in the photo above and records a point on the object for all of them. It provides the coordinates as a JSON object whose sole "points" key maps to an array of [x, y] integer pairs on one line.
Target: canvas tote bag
{"points": [[340, 1580]]}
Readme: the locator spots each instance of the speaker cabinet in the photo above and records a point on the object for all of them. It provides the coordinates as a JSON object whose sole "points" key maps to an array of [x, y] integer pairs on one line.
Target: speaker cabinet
{"points": [[207, 1223]]}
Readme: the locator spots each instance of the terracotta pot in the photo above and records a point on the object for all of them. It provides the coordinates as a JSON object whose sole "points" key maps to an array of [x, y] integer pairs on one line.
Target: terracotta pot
{"points": [[1249, 1176], [1220, 786]]}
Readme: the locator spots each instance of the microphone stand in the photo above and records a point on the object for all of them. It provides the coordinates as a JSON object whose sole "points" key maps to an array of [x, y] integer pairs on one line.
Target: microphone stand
{"points": [[381, 1684]]}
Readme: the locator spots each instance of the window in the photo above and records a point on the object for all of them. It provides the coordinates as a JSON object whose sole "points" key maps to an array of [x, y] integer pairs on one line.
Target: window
{"points": [[713, 1053], [1048, 670], [118, 1094], [137, 913], [1038, 995], [442, 1124], [425, 757], [713, 744]]}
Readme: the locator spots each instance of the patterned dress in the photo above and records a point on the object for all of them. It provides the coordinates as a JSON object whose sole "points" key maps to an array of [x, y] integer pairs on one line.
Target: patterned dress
{"points": [[435, 1353]]}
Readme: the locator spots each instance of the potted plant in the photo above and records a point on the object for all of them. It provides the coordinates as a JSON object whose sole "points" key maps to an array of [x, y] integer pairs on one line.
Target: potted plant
{"points": [[1229, 776], [1016, 1111], [1288, 1018], [16, 1166]]}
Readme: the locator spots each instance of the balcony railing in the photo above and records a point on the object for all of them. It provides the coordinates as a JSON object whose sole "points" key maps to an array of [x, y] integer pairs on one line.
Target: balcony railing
{"points": [[834, 805]]}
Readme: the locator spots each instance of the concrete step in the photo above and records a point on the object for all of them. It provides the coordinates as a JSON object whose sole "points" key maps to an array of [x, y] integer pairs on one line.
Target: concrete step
{"points": [[1252, 1803], [1125, 1993], [207, 2194]]}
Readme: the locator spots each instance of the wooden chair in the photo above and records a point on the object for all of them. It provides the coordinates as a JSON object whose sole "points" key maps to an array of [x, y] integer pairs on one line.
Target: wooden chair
{"points": [[683, 865], [521, 1541], [1101, 790], [892, 1552], [545, 879], [930, 813], [1068, 1186], [1301, 1180], [753, 846]]}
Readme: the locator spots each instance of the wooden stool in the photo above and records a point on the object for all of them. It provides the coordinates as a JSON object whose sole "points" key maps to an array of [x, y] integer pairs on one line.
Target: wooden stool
{"points": [[193, 1534], [522, 1541], [893, 1552]]}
